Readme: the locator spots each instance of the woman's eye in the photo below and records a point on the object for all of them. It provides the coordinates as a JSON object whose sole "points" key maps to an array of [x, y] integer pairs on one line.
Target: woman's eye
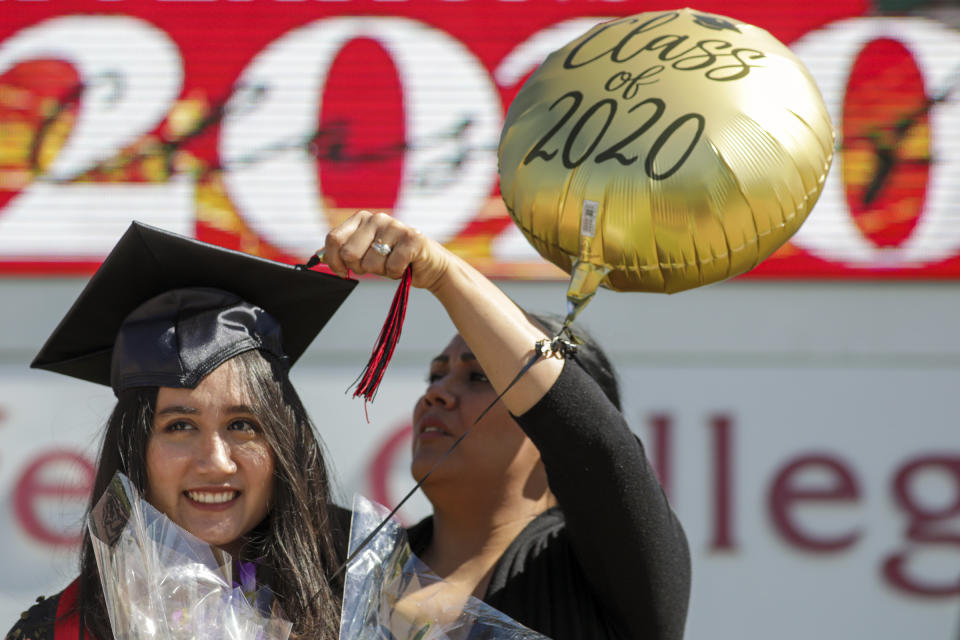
{"points": [[479, 376], [244, 425], [178, 425], [433, 377]]}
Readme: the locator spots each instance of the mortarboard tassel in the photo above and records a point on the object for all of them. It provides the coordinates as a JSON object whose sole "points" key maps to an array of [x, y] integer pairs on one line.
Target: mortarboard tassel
{"points": [[368, 382]]}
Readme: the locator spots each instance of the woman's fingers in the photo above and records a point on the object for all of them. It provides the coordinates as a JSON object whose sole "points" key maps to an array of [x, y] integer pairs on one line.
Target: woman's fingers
{"points": [[387, 235], [356, 251], [372, 243], [337, 238], [406, 247]]}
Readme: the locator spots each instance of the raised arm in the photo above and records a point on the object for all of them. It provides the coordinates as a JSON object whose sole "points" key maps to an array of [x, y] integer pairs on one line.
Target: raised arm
{"points": [[497, 330]]}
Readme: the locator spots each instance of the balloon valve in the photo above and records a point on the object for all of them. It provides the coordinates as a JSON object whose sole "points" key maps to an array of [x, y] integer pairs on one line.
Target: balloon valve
{"points": [[585, 277]]}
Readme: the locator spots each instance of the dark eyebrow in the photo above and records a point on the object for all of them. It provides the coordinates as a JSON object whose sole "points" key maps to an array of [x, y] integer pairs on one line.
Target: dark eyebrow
{"points": [[241, 408], [466, 356], [175, 409]]}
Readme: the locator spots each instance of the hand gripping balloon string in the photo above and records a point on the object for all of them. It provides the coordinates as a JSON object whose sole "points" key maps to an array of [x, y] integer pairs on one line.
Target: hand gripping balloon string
{"points": [[556, 347]]}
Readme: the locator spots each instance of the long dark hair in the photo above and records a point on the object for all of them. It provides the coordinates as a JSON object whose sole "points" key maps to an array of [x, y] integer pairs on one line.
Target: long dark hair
{"points": [[590, 356], [297, 544]]}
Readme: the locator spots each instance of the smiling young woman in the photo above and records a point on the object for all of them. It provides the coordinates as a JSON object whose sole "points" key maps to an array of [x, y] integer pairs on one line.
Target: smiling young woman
{"points": [[242, 434], [209, 465], [196, 342]]}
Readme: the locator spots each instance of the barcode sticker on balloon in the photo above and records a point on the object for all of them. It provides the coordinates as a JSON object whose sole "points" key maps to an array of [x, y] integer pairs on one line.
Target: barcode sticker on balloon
{"points": [[588, 219]]}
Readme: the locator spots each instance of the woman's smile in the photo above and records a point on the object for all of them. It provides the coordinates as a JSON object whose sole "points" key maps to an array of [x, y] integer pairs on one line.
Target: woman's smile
{"points": [[218, 499]]}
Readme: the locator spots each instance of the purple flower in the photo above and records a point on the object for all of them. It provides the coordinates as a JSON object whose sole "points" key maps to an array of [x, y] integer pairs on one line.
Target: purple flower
{"points": [[247, 572]]}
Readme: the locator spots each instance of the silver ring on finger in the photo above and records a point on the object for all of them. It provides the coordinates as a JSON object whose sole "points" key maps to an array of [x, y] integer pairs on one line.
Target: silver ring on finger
{"points": [[381, 248]]}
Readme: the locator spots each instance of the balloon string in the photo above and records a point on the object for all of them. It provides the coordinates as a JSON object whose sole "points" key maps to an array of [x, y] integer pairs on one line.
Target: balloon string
{"points": [[556, 346]]}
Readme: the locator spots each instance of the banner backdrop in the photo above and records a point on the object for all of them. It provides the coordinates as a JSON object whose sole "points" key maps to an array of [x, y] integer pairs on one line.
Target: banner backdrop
{"points": [[798, 528], [257, 124]]}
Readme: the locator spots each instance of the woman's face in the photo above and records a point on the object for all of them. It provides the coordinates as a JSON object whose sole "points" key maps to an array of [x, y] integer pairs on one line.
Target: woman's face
{"points": [[496, 451], [209, 468]]}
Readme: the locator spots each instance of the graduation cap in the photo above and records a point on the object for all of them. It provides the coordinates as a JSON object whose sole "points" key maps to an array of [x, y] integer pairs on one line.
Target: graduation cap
{"points": [[166, 310]]}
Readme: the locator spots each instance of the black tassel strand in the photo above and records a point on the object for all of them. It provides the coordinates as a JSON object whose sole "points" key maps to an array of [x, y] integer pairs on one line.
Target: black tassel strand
{"points": [[368, 382]]}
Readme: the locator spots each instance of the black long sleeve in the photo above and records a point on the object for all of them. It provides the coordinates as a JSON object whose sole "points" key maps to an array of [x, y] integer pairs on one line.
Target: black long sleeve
{"points": [[622, 531]]}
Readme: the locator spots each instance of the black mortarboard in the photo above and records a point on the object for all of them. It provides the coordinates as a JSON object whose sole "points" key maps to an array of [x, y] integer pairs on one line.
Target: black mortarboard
{"points": [[165, 310]]}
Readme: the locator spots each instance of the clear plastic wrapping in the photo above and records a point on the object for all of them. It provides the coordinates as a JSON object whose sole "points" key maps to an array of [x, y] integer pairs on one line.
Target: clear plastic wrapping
{"points": [[391, 595], [159, 581]]}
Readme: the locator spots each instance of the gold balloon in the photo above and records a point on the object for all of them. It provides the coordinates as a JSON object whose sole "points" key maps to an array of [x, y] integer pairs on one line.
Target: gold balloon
{"points": [[664, 151]]}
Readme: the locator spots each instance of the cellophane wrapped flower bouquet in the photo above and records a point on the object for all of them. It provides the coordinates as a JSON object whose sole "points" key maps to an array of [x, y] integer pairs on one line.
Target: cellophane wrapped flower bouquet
{"points": [[161, 582], [390, 594]]}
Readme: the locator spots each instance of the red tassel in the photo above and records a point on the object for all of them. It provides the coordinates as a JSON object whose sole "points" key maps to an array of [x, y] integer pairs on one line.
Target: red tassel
{"points": [[369, 380]]}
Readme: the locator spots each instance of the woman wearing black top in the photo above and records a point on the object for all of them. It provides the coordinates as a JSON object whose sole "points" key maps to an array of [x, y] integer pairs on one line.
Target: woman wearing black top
{"points": [[548, 510]]}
